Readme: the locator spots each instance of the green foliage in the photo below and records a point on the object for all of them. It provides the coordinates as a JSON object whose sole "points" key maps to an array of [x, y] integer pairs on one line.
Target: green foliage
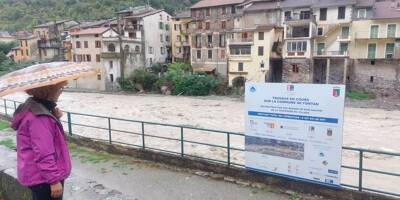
{"points": [[6, 47], [358, 95], [139, 77], [4, 125], [19, 15], [9, 143], [194, 85]]}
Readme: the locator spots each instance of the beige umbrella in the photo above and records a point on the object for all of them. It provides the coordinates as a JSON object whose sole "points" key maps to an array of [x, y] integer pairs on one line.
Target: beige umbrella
{"points": [[42, 75]]}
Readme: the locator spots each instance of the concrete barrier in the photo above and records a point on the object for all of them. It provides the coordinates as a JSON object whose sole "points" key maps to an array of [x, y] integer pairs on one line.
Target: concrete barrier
{"points": [[10, 189]]}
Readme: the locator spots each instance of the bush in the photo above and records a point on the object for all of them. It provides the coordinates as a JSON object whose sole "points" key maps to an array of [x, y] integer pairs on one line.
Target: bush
{"points": [[359, 95], [195, 85], [140, 76]]}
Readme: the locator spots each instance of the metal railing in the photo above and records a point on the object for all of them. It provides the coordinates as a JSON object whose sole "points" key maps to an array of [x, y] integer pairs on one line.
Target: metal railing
{"points": [[9, 106]]}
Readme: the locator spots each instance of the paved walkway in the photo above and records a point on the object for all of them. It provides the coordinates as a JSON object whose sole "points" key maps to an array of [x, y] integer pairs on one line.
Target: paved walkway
{"points": [[98, 175]]}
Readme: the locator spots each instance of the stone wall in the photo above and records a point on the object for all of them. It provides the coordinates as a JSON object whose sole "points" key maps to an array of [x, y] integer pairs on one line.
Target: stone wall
{"points": [[336, 71], [304, 74], [381, 77]]}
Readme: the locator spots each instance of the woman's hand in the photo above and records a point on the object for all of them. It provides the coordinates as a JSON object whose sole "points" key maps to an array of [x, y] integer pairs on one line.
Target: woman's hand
{"points": [[57, 113], [56, 190]]}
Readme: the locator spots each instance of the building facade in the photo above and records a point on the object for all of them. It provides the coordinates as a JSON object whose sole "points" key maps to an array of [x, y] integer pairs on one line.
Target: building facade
{"points": [[50, 39], [375, 49], [181, 39], [26, 50], [211, 20], [150, 27], [255, 43]]}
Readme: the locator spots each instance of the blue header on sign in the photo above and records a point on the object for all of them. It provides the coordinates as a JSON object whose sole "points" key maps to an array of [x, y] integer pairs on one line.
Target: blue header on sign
{"points": [[295, 117]]}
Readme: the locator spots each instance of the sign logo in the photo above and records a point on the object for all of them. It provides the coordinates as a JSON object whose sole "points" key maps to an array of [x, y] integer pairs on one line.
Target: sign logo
{"points": [[336, 92], [290, 88], [253, 89]]}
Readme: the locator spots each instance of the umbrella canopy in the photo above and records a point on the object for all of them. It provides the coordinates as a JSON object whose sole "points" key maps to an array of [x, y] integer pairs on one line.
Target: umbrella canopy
{"points": [[42, 75]]}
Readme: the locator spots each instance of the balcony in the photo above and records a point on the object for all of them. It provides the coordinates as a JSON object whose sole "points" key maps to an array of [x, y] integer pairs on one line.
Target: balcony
{"points": [[110, 55], [185, 43], [366, 35], [241, 41], [49, 44], [331, 53], [296, 54], [299, 19], [134, 27]]}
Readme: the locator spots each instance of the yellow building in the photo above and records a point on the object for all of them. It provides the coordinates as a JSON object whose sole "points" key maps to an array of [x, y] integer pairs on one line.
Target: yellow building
{"points": [[180, 37], [26, 50], [375, 48], [254, 52]]}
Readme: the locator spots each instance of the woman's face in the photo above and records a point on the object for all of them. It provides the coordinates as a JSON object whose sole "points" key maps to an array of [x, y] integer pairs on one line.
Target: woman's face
{"points": [[56, 91]]}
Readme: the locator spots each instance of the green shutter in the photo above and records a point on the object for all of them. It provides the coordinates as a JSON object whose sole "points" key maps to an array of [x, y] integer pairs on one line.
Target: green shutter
{"points": [[371, 51], [391, 32], [389, 50], [374, 31]]}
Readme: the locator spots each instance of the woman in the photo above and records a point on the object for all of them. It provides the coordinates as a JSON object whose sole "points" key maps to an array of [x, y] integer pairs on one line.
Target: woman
{"points": [[43, 158]]}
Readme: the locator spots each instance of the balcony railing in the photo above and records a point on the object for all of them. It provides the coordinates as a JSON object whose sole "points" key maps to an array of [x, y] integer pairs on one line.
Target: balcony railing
{"points": [[241, 41], [331, 53], [296, 53], [300, 17], [110, 55], [368, 35]]}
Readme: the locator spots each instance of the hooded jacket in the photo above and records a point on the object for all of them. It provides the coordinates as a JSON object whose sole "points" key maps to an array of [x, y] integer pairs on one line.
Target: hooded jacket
{"points": [[42, 152]]}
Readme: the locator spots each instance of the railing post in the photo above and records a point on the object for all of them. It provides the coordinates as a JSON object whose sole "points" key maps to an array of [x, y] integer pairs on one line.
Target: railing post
{"points": [[360, 170], [15, 106], [5, 107], [143, 142], [182, 146], [69, 123], [109, 130], [228, 147]]}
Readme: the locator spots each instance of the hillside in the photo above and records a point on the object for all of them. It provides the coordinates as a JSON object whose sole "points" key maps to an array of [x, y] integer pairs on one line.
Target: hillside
{"points": [[24, 14]]}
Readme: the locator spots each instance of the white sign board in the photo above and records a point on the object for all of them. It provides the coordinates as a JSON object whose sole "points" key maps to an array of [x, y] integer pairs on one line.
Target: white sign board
{"points": [[295, 130]]}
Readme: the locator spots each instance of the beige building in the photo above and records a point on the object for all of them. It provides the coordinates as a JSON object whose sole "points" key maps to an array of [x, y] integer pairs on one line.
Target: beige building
{"points": [[87, 47], [181, 39], [255, 44], [26, 50], [376, 47]]}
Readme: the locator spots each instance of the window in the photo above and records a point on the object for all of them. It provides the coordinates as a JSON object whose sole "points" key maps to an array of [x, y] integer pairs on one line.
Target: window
{"points": [[88, 58], [240, 67], [161, 26], [167, 27], [161, 38], [389, 50], [207, 25], [78, 44], [21, 44], [162, 50], [179, 50], [96, 35], [99, 77], [260, 35], [322, 14], [98, 44], [320, 31], [74, 57], [320, 48], [391, 30], [198, 41], [222, 53], [111, 64], [297, 46], [198, 54], [79, 58], [22, 52], [288, 15], [223, 10], [111, 48], [223, 24], [342, 12], [175, 27], [111, 78], [160, 17], [240, 50], [343, 48], [305, 14], [210, 56], [295, 68], [199, 25], [262, 65], [137, 49], [150, 50], [86, 44], [132, 35], [222, 40], [27, 52], [371, 51], [260, 51], [208, 12], [345, 32], [209, 40], [98, 58], [233, 9], [371, 79], [374, 31], [362, 13]]}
